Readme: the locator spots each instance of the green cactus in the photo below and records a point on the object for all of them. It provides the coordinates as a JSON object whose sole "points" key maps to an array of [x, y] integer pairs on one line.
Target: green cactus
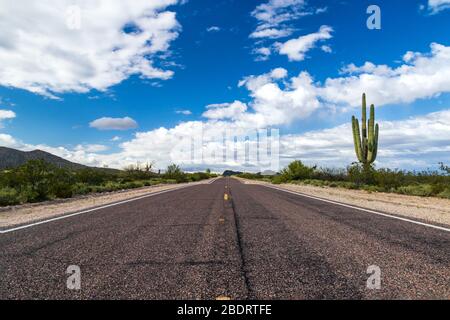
{"points": [[366, 142]]}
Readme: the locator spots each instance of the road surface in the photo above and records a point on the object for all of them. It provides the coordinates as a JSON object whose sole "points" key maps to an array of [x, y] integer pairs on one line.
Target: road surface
{"points": [[191, 243]]}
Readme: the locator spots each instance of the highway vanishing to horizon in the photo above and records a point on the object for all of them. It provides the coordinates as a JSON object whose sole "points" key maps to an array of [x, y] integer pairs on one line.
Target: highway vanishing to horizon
{"points": [[254, 243]]}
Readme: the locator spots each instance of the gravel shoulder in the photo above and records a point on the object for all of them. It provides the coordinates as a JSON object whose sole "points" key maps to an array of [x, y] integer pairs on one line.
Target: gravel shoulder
{"points": [[27, 213], [429, 209]]}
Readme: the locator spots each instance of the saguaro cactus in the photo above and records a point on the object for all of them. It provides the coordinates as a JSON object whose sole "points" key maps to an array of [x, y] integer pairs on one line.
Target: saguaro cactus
{"points": [[366, 142]]}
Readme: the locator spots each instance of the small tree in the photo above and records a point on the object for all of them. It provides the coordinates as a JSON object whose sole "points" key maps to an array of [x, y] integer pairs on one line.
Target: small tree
{"points": [[174, 172], [296, 170], [444, 167]]}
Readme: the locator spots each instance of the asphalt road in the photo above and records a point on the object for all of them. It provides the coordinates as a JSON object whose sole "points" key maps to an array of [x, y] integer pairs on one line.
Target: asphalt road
{"points": [[193, 244]]}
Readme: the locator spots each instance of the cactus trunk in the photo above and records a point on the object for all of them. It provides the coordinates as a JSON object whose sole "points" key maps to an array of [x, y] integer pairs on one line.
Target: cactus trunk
{"points": [[366, 141]]}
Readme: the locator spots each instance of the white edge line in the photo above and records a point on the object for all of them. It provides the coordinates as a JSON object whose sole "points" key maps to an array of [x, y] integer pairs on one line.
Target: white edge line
{"points": [[361, 209], [93, 209]]}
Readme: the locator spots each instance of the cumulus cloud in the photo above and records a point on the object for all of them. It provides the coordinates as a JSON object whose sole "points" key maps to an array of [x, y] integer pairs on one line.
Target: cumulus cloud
{"points": [[417, 142], [107, 123], [276, 100], [436, 6], [6, 114], [52, 47], [421, 76], [296, 49], [225, 110]]}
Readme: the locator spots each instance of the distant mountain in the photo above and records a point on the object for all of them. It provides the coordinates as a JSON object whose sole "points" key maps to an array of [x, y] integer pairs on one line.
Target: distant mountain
{"points": [[11, 158], [228, 173]]}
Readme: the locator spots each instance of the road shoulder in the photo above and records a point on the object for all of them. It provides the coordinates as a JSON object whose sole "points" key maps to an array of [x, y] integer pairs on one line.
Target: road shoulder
{"points": [[30, 213], [425, 209]]}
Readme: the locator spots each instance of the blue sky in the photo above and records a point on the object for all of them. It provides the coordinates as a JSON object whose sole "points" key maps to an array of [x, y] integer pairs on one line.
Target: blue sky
{"points": [[57, 78]]}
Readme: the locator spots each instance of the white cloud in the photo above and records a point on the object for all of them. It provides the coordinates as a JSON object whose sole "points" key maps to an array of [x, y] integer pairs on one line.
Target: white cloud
{"points": [[417, 142], [263, 53], [271, 33], [423, 76], [6, 114], [49, 58], [326, 49], [225, 110], [106, 123], [273, 15], [213, 29], [296, 49], [184, 112], [116, 138], [276, 100], [436, 6], [92, 148], [7, 140]]}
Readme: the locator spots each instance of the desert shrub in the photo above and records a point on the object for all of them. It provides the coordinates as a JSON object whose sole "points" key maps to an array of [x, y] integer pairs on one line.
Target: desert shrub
{"points": [[174, 172], [9, 196], [111, 186], [36, 179], [132, 185], [198, 176], [360, 174], [330, 174], [279, 179], [389, 179], [422, 190], [81, 188], [62, 190], [169, 181], [93, 176], [445, 193], [296, 170]]}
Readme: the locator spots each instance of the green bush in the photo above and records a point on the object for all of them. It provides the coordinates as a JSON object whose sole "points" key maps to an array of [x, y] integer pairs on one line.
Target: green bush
{"points": [[62, 190], [296, 170], [422, 190], [279, 179], [445, 193], [81, 188], [9, 197]]}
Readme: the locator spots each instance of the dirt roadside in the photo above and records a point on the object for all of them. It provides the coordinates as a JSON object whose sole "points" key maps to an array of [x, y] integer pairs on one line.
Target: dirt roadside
{"points": [[27, 213], [429, 209]]}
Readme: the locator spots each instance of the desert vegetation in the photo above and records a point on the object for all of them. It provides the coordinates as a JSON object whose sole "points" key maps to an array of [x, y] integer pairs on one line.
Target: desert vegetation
{"points": [[37, 181], [363, 174], [355, 176]]}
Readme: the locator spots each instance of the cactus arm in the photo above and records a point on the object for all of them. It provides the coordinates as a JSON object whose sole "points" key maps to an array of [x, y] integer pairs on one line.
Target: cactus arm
{"points": [[372, 122], [375, 148], [357, 139]]}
